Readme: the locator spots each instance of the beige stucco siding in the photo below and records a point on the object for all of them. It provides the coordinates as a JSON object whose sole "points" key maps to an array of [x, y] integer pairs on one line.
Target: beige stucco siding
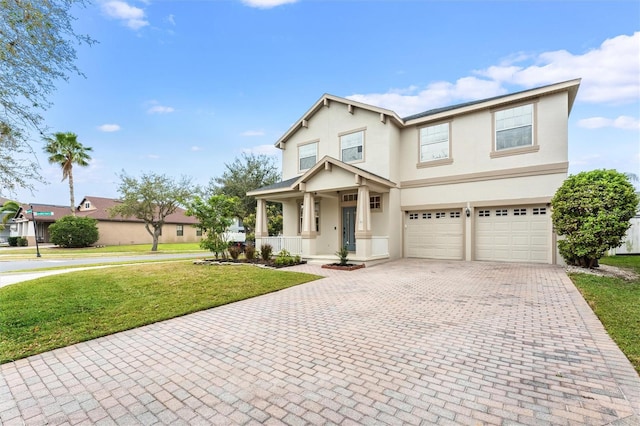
{"points": [[483, 192], [328, 123], [472, 140]]}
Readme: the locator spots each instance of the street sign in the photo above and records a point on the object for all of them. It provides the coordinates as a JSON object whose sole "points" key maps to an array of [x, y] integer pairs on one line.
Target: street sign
{"points": [[44, 213]]}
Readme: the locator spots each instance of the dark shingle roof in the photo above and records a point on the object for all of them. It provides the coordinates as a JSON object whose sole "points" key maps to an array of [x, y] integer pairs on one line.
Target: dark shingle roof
{"points": [[466, 104], [278, 185]]}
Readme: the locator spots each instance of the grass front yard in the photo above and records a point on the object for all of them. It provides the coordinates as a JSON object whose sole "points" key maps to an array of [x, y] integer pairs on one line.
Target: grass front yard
{"points": [[616, 302], [136, 249], [61, 310]]}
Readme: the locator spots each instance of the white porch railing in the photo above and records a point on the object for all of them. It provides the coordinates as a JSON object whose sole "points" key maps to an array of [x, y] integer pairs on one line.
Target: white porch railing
{"points": [[379, 246], [291, 244]]}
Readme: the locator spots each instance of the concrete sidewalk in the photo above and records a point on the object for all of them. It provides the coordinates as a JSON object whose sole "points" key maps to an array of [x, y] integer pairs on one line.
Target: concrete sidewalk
{"points": [[406, 342]]}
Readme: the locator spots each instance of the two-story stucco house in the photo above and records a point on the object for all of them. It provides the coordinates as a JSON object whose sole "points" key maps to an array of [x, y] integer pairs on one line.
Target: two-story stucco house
{"points": [[466, 182]]}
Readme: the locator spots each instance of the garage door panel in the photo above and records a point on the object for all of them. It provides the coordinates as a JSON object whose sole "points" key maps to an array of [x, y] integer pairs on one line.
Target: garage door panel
{"points": [[513, 234], [435, 235]]}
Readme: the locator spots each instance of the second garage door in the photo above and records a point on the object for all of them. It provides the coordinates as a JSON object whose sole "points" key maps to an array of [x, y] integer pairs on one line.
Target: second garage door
{"points": [[435, 234], [513, 234]]}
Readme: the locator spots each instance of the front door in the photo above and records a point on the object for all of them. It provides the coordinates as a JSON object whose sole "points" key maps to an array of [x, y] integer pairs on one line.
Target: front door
{"points": [[349, 228]]}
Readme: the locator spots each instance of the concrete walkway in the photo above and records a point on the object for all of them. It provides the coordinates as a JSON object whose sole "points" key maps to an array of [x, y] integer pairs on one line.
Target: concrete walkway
{"points": [[406, 342]]}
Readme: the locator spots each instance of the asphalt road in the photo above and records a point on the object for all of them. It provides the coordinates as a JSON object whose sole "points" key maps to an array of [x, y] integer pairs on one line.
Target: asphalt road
{"points": [[43, 262]]}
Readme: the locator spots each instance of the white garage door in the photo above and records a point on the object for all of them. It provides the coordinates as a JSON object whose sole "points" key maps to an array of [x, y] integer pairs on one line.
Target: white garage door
{"points": [[513, 234], [435, 234]]}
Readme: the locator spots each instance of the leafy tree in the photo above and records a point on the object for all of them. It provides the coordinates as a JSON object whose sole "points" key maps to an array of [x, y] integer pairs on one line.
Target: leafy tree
{"points": [[151, 199], [71, 231], [249, 172], [37, 48], [592, 211], [214, 215], [65, 150], [274, 221], [8, 210]]}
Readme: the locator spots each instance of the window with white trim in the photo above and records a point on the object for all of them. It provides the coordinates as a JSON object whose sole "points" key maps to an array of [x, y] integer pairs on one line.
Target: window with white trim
{"points": [[307, 155], [539, 210], [179, 230], [434, 142], [484, 213], [501, 212], [519, 212], [514, 127], [413, 216], [352, 146], [375, 203]]}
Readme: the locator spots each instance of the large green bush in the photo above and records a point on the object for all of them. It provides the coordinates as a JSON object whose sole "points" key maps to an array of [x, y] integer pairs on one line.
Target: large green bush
{"points": [[592, 211], [72, 231]]}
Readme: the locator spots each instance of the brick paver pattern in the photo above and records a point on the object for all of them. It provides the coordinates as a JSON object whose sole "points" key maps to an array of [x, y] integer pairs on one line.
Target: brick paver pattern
{"points": [[405, 342]]}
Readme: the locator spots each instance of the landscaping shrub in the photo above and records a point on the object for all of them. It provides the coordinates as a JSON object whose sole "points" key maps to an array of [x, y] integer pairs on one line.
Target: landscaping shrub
{"points": [[234, 251], [265, 252], [72, 231], [343, 254], [592, 211], [13, 241], [22, 242], [250, 252]]}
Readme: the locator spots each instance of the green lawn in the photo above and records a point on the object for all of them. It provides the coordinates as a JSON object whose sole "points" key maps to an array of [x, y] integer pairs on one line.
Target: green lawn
{"points": [[57, 311], [617, 303]]}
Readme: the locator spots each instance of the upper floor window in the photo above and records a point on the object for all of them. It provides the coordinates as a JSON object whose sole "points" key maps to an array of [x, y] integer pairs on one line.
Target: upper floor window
{"points": [[352, 146], [307, 155], [434, 142], [514, 127]]}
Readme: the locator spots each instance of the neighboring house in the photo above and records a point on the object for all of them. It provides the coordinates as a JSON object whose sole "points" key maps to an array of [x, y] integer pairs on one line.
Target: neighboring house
{"points": [[178, 228], [467, 182]]}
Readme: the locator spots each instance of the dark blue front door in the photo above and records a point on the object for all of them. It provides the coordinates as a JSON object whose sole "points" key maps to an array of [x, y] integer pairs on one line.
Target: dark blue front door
{"points": [[349, 228]]}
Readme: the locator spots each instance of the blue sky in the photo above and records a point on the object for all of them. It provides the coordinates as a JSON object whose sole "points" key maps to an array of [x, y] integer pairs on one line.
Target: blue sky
{"points": [[182, 87]]}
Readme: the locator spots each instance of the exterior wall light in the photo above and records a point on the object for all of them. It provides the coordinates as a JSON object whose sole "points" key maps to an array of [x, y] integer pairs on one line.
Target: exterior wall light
{"points": [[468, 212]]}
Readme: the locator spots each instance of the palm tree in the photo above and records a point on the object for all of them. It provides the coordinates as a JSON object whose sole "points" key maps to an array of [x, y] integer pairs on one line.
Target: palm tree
{"points": [[8, 210], [65, 150]]}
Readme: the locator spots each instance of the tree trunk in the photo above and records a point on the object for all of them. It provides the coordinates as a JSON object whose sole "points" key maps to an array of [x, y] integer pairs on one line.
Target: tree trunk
{"points": [[156, 237], [71, 197]]}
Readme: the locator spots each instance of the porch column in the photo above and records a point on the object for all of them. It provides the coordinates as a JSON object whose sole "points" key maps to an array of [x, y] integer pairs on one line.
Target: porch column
{"points": [[363, 222], [308, 228], [261, 219]]}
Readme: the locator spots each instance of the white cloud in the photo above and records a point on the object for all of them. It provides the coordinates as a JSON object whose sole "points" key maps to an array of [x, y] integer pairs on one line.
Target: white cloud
{"points": [[160, 109], [266, 4], [133, 17], [622, 122], [262, 149], [153, 156], [609, 75], [109, 128], [196, 148], [413, 99], [609, 72], [252, 133], [171, 19]]}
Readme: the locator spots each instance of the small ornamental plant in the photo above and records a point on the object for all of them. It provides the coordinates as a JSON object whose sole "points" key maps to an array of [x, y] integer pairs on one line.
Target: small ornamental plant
{"points": [[343, 254], [265, 252]]}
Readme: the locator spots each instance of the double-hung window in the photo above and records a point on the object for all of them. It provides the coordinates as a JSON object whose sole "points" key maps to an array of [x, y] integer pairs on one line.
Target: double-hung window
{"points": [[514, 127], [434, 143], [352, 146], [307, 155], [179, 230]]}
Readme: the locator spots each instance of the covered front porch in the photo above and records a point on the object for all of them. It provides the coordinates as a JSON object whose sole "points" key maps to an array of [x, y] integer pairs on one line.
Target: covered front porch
{"points": [[333, 205]]}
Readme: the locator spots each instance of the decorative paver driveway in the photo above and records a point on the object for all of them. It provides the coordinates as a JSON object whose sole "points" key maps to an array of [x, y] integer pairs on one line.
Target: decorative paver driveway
{"points": [[405, 342]]}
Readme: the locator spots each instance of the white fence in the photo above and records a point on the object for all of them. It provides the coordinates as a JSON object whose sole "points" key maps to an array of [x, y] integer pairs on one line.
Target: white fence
{"points": [[291, 244]]}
